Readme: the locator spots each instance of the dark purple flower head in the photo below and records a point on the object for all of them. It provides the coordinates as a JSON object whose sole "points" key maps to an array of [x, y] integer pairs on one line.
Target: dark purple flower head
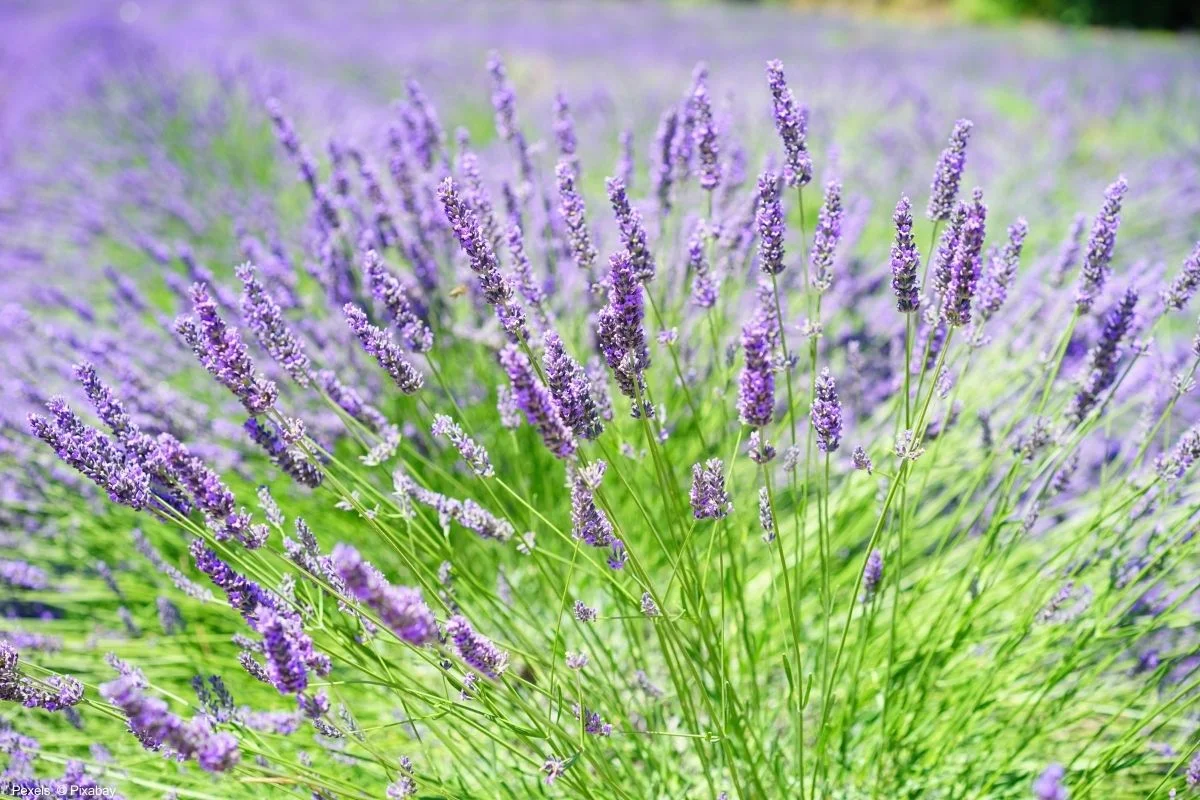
{"points": [[790, 121], [769, 220], [621, 334], [574, 215], [589, 523], [1097, 260], [475, 649], [378, 344], [861, 460], [632, 230], [535, 400], [826, 236], [756, 392], [207, 491], [569, 384], [54, 693], [966, 264], [283, 645], [289, 459], [1177, 295], [906, 260], [948, 173], [1100, 371], [708, 496]]}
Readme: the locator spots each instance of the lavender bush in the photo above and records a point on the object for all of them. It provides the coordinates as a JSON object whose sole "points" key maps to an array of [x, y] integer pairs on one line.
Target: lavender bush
{"points": [[527, 436]]}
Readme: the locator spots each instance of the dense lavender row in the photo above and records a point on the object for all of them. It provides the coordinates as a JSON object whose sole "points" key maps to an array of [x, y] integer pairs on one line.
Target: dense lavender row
{"points": [[598, 442]]}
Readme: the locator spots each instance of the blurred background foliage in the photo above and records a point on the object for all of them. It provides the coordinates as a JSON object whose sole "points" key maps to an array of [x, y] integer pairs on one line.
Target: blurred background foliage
{"points": [[1160, 14]]}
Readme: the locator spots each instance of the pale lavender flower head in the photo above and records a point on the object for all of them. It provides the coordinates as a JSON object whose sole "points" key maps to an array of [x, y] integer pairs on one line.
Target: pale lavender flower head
{"points": [[826, 236], [415, 334], [1177, 295], [283, 644], [1002, 268], [948, 174], [826, 414], [1068, 253], [535, 400], [861, 460], [564, 132], [584, 612], [473, 453], [1103, 238], [386, 352], [705, 139], [573, 211], [708, 496], [1049, 785], [632, 231], [649, 607], [625, 164], [790, 122], [769, 220], [906, 260], [872, 574], [766, 518], [400, 608], [704, 284], [265, 319], [664, 173]]}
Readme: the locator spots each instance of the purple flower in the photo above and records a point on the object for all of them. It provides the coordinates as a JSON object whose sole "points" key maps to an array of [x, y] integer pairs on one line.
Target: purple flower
{"points": [[22, 575], [475, 649], [1101, 369], [709, 498], [625, 166], [620, 333], [564, 133], [1048, 785], [588, 522], [826, 414], [387, 289], [906, 260], [400, 608], [965, 264], [1002, 267], [826, 236], [583, 612], [948, 173], [474, 454], [535, 400], [632, 231], [221, 351], [1177, 295], [571, 389], [1068, 253], [378, 344], [287, 137], [769, 220], [466, 513], [207, 490], [664, 172], [288, 459], [55, 693], [504, 99], [704, 285], [872, 574], [1096, 261], [283, 645], [756, 391], [574, 215], [790, 121], [705, 138], [265, 319], [1186, 452], [649, 607]]}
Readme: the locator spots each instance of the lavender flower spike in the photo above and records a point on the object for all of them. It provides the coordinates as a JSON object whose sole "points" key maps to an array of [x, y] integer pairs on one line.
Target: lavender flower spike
{"points": [[539, 406], [826, 414], [664, 173], [633, 232], [1002, 267], [474, 454], [965, 264], [790, 122], [872, 574], [708, 496], [387, 289], [1177, 295], [948, 173], [756, 392], [1101, 241], [477, 650], [378, 344], [621, 335], [769, 219], [220, 349], [265, 319], [826, 236], [705, 136], [568, 383], [906, 260], [400, 608], [1101, 368], [573, 213], [481, 257], [704, 283]]}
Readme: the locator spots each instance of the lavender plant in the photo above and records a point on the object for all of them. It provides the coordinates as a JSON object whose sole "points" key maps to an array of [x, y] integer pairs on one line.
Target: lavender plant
{"points": [[459, 467]]}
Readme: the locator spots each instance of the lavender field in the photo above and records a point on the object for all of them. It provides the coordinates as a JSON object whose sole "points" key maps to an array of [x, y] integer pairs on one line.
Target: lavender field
{"points": [[508, 400]]}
